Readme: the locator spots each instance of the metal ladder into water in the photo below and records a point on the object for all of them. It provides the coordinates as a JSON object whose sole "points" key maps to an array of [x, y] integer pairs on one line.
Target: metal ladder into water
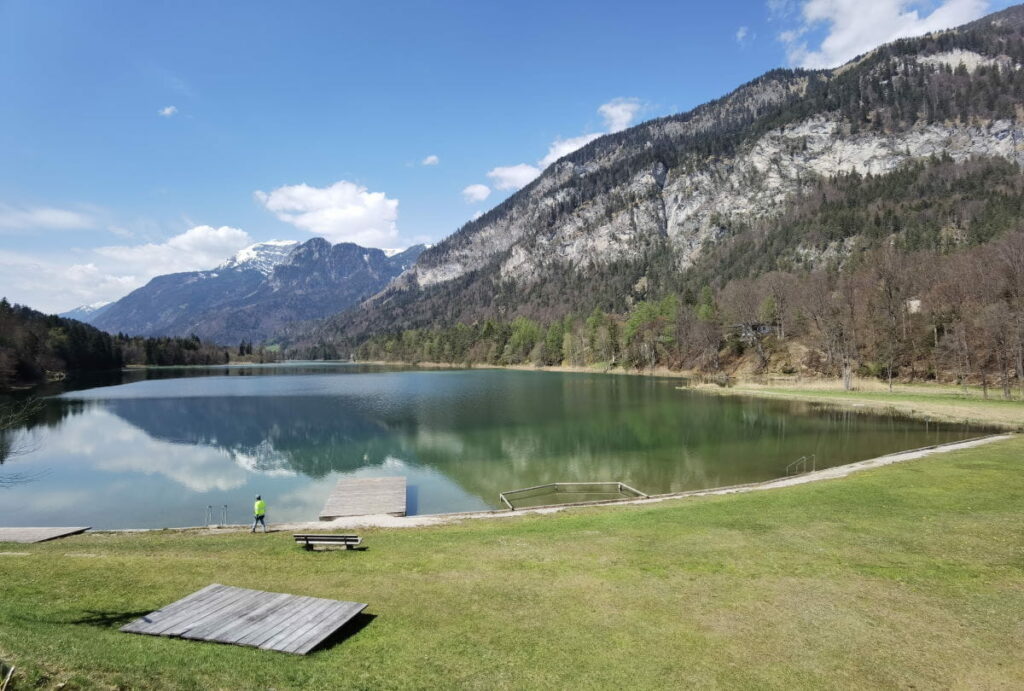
{"points": [[208, 518], [799, 466]]}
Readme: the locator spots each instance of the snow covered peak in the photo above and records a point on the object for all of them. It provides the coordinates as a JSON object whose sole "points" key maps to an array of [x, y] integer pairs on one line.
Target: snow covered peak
{"points": [[94, 306], [263, 256], [392, 252], [85, 312]]}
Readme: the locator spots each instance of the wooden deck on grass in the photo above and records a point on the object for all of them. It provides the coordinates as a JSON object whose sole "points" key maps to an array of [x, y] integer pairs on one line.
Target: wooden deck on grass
{"points": [[37, 534], [365, 496], [239, 616]]}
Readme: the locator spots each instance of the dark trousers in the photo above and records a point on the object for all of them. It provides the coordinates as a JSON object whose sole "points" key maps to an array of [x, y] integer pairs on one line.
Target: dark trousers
{"points": [[259, 520]]}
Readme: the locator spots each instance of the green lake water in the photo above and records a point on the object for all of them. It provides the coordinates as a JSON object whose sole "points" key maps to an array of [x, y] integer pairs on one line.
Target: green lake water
{"points": [[167, 446]]}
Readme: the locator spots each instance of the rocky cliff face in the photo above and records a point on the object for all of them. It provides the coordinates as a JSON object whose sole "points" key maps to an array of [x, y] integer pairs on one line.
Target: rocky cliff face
{"points": [[257, 292], [690, 206]]}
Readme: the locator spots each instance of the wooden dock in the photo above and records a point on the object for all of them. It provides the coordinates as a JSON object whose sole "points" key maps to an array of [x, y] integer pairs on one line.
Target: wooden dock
{"points": [[364, 496], [239, 616], [37, 534]]}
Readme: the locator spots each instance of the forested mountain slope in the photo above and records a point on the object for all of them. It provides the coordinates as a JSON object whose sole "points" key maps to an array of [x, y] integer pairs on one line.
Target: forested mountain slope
{"points": [[917, 143]]}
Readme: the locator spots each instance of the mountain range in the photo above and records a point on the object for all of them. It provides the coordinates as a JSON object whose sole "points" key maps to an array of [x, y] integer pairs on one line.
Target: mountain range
{"points": [[255, 293], [917, 144], [749, 183]]}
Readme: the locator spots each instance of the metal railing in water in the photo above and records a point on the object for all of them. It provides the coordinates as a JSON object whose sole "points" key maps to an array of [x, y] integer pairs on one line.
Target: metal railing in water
{"points": [[574, 488], [208, 519], [800, 465]]}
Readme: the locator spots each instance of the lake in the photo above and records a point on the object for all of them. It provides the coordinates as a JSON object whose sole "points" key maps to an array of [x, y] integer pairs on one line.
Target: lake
{"points": [[164, 447]]}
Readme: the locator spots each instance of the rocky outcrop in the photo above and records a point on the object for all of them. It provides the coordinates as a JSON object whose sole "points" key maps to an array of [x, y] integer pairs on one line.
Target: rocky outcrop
{"points": [[689, 207]]}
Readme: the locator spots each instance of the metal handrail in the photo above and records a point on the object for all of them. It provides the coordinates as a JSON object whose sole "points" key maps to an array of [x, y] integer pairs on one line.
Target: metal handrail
{"points": [[620, 486], [802, 462], [208, 518]]}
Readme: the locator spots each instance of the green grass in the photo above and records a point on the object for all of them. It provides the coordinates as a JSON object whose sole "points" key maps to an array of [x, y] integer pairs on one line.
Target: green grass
{"points": [[910, 575]]}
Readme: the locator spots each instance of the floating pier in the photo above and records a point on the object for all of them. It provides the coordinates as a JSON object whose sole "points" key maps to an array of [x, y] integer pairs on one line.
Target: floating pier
{"points": [[27, 535], [365, 496], [239, 616]]}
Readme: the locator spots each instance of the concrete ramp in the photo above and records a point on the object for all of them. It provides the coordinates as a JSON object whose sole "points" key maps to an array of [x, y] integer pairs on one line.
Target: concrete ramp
{"points": [[27, 535], [365, 496]]}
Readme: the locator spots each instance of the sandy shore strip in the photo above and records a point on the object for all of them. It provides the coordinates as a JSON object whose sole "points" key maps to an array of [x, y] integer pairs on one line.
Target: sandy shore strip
{"points": [[386, 521], [934, 406]]}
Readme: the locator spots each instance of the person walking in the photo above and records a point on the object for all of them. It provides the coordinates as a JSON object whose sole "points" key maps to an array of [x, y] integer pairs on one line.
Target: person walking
{"points": [[260, 509]]}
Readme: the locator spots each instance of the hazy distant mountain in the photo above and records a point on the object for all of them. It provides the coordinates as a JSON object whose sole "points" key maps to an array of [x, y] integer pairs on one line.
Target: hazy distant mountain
{"points": [[740, 186], [86, 313], [256, 292]]}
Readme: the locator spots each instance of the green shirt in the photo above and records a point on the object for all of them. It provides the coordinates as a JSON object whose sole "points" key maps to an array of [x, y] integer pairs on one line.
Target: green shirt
{"points": [[260, 508]]}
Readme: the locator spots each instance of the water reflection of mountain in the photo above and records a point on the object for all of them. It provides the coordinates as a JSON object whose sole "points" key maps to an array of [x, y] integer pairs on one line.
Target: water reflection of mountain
{"points": [[515, 430], [312, 436]]}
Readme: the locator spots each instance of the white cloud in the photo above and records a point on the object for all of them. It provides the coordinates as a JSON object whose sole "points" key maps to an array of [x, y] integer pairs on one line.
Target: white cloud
{"points": [[780, 9], [167, 112], [741, 35], [430, 160], [513, 177], [54, 287], [477, 215], [201, 247], [619, 113], [43, 218], [342, 212], [564, 147], [854, 27], [109, 273], [476, 193]]}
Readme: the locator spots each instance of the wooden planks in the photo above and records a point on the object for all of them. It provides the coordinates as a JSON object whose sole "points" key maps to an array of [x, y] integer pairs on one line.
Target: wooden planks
{"points": [[37, 534], [363, 496], [239, 616]]}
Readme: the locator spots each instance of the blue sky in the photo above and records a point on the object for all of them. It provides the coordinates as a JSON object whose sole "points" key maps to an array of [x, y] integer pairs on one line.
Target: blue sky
{"points": [[140, 138]]}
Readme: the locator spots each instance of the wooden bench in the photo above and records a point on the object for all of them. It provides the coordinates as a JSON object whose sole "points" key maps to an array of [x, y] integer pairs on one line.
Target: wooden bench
{"points": [[308, 541]]}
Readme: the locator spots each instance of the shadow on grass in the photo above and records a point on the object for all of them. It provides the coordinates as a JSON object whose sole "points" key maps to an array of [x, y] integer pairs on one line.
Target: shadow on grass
{"points": [[351, 628], [107, 619], [100, 619]]}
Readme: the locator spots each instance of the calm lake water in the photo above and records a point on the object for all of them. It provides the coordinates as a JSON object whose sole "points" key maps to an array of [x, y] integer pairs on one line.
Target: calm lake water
{"points": [[158, 451]]}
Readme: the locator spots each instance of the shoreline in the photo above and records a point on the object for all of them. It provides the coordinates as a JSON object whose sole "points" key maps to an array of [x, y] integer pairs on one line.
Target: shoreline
{"points": [[563, 369], [924, 401], [995, 414], [441, 519]]}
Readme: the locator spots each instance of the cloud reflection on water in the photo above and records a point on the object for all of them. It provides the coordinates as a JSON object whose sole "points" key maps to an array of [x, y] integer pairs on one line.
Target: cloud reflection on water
{"points": [[159, 452]]}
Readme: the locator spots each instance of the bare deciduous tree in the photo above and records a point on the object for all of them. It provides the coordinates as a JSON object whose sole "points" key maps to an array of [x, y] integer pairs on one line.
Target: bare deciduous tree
{"points": [[13, 417]]}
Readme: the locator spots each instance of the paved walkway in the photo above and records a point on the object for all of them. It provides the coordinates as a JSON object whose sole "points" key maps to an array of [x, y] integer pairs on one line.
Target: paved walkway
{"points": [[37, 534]]}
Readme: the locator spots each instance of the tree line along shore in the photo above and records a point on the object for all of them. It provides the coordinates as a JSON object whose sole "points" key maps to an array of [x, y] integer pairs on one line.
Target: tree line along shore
{"points": [[888, 314], [37, 347]]}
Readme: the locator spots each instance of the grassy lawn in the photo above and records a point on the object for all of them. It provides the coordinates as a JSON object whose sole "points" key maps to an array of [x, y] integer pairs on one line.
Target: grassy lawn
{"points": [[910, 575]]}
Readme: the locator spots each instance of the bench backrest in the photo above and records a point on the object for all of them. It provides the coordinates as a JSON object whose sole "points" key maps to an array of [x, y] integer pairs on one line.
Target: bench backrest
{"points": [[326, 538]]}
